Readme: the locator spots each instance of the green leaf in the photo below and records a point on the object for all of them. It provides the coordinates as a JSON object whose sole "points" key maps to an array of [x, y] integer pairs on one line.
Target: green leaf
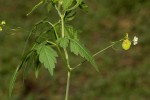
{"points": [[12, 81], [78, 2], [67, 3], [48, 35], [70, 15], [78, 49], [35, 7], [37, 68], [47, 56], [71, 32], [49, 7], [13, 78], [27, 67], [33, 62], [55, 1], [63, 42], [83, 6]]}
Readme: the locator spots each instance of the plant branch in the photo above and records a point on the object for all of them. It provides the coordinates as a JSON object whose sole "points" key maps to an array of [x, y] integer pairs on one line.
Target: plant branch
{"points": [[66, 56], [53, 25], [96, 54]]}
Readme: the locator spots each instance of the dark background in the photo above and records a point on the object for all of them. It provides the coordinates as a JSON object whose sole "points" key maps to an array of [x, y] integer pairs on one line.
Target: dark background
{"points": [[124, 75]]}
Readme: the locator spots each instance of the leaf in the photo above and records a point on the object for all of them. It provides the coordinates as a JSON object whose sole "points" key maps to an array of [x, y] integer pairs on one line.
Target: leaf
{"points": [[48, 35], [29, 64], [27, 68], [12, 81], [70, 15], [83, 6], [78, 2], [37, 68], [71, 32], [47, 56], [49, 7], [54, 1], [67, 3], [35, 7], [63, 42], [13, 78], [78, 49]]}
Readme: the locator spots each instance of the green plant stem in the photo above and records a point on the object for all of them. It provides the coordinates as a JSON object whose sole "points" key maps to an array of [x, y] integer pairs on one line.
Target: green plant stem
{"points": [[53, 25], [67, 58], [50, 42], [63, 35], [67, 86], [62, 26], [103, 50], [97, 54]]}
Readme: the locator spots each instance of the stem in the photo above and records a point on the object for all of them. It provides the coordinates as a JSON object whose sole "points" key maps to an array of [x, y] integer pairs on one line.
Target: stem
{"points": [[67, 58], [97, 54], [53, 25], [67, 86], [62, 26], [63, 35], [103, 49]]}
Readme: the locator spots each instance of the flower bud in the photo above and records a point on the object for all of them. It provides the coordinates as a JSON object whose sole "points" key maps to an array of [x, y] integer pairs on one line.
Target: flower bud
{"points": [[126, 44]]}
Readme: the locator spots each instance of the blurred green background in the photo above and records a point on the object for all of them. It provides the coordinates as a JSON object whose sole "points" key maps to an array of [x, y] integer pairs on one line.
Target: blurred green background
{"points": [[124, 75]]}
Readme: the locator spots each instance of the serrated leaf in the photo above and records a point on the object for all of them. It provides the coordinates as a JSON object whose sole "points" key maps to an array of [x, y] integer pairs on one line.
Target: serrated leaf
{"points": [[30, 64], [78, 49], [67, 3], [27, 67], [13, 78], [63, 42], [12, 81], [71, 32], [47, 56]]}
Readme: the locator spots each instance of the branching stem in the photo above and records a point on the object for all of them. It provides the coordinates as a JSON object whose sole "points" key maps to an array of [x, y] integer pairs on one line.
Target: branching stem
{"points": [[66, 56], [97, 53]]}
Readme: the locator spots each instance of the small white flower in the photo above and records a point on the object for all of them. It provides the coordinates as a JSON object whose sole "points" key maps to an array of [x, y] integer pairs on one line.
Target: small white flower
{"points": [[135, 40]]}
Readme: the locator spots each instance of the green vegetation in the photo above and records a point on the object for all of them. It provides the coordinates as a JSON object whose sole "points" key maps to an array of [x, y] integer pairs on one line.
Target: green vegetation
{"points": [[124, 75]]}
